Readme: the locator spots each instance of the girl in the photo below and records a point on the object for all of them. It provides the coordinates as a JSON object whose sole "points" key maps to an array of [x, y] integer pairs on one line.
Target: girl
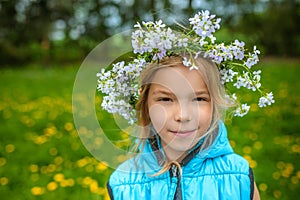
{"points": [[186, 153], [179, 102]]}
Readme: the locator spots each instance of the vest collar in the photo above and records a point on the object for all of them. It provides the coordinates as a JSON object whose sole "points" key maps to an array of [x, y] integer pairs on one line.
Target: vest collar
{"points": [[220, 146]]}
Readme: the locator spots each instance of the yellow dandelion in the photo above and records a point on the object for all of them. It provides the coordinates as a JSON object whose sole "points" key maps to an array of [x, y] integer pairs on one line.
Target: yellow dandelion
{"points": [[59, 177], [63, 183], [280, 165], [232, 143], [298, 174], [276, 175], [50, 131], [247, 157], [10, 148], [3, 181], [296, 148], [37, 190], [27, 121], [102, 166], [94, 187], [89, 168], [69, 126], [258, 145], [70, 182], [34, 168], [51, 168], [253, 136], [2, 161], [82, 162], [53, 151], [74, 133], [87, 180], [263, 187], [44, 169], [247, 150], [52, 186], [277, 194], [40, 139], [252, 163], [288, 170], [67, 182], [58, 160]]}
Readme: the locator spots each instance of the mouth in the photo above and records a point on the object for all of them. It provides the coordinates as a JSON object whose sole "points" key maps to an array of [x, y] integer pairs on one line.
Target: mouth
{"points": [[183, 133]]}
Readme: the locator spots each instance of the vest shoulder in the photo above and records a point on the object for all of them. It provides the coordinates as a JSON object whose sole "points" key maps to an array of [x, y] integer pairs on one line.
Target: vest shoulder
{"points": [[134, 171], [236, 162], [229, 163], [225, 164]]}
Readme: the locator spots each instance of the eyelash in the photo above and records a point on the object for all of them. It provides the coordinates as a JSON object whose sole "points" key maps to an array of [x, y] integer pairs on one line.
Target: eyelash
{"points": [[164, 99], [170, 99], [200, 99]]}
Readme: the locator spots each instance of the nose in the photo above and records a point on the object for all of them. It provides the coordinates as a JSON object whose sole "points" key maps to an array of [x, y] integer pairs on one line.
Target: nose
{"points": [[182, 113]]}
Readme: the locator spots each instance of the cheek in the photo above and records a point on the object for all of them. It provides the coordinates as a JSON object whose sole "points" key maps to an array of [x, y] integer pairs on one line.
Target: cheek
{"points": [[158, 116], [204, 116], [208, 116]]}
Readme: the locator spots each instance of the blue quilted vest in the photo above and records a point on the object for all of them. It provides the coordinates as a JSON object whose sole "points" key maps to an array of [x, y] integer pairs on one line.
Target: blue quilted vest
{"points": [[216, 173]]}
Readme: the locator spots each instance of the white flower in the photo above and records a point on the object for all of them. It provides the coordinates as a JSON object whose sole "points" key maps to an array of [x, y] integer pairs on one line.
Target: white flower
{"points": [[230, 99], [182, 42], [154, 38], [186, 62], [227, 75], [266, 100], [193, 67], [237, 49], [253, 58], [202, 42], [242, 110], [159, 24], [152, 41], [246, 81], [257, 75], [204, 24]]}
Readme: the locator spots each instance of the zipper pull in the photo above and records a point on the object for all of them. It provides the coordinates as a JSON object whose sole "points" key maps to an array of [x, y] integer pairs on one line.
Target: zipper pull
{"points": [[173, 170]]}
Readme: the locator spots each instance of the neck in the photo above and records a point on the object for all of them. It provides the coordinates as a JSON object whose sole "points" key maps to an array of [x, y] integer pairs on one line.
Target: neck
{"points": [[172, 155]]}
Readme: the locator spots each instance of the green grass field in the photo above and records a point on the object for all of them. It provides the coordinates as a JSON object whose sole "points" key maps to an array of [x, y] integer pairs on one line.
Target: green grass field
{"points": [[42, 157]]}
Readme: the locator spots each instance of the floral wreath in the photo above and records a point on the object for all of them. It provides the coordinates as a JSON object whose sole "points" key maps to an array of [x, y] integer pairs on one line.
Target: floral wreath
{"points": [[153, 41]]}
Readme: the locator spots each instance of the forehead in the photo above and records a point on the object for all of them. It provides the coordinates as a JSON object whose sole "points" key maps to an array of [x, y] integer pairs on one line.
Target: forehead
{"points": [[179, 79]]}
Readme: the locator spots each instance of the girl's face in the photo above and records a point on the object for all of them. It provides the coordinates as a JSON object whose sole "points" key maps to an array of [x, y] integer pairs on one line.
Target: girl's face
{"points": [[180, 109]]}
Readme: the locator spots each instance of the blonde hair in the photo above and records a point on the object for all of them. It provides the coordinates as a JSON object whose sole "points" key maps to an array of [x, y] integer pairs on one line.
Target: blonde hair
{"points": [[211, 76]]}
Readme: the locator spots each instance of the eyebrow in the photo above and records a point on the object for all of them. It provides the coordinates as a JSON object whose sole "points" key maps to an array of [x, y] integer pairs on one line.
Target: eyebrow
{"points": [[171, 94], [162, 92], [202, 92]]}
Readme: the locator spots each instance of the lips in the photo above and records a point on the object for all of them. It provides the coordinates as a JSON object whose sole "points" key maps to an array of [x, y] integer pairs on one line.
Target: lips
{"points": [[184, 133]]}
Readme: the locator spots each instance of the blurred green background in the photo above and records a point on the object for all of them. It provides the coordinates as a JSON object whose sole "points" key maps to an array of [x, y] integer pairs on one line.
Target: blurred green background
{"points": [[42, 45]]}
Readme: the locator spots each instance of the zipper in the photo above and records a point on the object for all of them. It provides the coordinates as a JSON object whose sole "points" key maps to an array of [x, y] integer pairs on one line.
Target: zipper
{"points": [[175, 177]]}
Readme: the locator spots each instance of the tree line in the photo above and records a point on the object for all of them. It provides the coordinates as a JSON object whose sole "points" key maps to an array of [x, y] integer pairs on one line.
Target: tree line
{"points": [[65, 31]]}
